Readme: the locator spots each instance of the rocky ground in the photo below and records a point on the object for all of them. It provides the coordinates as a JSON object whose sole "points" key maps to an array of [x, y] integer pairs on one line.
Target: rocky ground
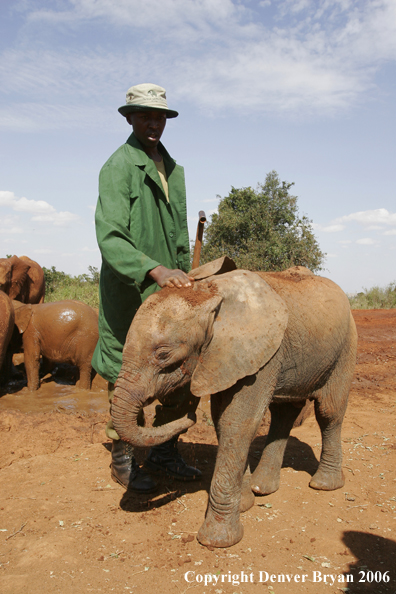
{"points": [[66, 527]]}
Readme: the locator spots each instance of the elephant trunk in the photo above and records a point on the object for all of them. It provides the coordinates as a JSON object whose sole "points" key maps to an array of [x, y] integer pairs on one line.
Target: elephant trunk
{"points": [[128, 400]]}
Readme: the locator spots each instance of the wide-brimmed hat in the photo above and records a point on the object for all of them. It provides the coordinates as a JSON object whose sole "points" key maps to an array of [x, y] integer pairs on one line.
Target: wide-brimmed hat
{"points": [[146, 97]]}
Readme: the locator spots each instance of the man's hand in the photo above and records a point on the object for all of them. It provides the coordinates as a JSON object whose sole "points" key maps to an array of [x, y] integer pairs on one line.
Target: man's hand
{"points": [[164, 277]]}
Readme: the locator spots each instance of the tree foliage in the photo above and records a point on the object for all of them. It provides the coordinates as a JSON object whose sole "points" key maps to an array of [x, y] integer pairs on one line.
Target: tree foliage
{"points": [[84, 287], [375, 298], [262, 230]]}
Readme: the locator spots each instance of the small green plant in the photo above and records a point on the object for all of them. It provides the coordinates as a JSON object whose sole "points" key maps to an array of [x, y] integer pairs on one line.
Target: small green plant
{"points": [[59, 286], [375, 298]]}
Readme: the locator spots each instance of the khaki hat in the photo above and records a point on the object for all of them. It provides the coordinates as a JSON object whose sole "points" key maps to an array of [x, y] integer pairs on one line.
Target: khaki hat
{"points": [[146, 97]]}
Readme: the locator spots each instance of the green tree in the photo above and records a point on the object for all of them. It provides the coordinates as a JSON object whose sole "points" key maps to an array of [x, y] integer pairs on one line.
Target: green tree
{"points": [[262, 230], [85, 287], [54, 279]]}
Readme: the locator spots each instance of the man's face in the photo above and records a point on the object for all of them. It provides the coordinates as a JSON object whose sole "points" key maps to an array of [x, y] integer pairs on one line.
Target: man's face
{"points": [[148, 126]]}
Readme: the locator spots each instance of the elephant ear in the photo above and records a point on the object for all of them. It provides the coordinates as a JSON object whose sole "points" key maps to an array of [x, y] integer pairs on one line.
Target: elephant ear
{"points": [[5, 274], [23, 315], [247, 331], [219, 266], [19, 278]]}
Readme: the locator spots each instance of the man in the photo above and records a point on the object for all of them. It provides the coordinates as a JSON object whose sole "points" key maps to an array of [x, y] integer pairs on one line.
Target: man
{"points": [[141, 228]]}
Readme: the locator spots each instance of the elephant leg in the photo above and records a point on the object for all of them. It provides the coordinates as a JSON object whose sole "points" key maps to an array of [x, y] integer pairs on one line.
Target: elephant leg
{"points": [[247, 496], [6, 368], [330, 406], [85, 380], [242, 409], [329, 475], [31, 348], [266, 477], [216, 409]]}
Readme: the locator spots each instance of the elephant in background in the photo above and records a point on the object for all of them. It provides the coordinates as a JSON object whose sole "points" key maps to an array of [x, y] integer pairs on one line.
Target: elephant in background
{"points": [[22, 279], [60, 332], [251, 340], [7, 318]]}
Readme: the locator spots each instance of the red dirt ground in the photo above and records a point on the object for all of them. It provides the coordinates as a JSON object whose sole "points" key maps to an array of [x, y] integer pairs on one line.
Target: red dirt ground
{"points": [[66, 527]]}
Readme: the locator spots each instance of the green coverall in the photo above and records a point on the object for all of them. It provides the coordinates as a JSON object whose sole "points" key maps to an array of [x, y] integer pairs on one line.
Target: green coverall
{"points": [[137, 230]]}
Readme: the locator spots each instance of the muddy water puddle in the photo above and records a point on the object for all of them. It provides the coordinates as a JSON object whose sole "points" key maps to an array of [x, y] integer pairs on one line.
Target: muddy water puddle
{"points": [[62, 395], [54, 395]]}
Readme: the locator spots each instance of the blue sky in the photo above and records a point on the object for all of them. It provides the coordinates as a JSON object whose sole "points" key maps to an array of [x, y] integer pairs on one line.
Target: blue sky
{"points": [[303, 87]]}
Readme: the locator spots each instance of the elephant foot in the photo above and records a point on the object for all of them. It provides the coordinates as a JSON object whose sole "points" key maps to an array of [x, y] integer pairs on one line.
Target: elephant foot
{"points": [[327, 481], [247, 500], [264, 485], [218, 534]]}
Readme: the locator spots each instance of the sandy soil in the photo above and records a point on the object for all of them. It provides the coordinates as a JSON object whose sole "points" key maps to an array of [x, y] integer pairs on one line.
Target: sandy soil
{"points": [[66, 527]]}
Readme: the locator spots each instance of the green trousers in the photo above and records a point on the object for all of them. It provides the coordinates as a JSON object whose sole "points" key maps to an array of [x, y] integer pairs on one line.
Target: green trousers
{"points": [[187, 403]]}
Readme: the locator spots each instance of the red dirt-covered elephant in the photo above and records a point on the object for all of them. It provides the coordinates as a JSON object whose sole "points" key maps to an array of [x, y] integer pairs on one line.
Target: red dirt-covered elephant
{"points": [[6, 328], [22, 279], [251, 340], [60, 332]]}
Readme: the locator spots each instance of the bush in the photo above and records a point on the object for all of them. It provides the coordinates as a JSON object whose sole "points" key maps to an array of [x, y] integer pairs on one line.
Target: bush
{"points": [[262, 230], [375, 298], [59, 286]]}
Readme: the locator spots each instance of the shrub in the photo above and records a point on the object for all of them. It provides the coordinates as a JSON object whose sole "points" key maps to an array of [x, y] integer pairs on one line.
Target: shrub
{"points": [[375, 298], [262, 230], [59, 286]]}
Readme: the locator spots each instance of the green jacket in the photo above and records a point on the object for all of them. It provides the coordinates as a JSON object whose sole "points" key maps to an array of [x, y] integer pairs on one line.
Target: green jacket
{"points": [[137, 229]]}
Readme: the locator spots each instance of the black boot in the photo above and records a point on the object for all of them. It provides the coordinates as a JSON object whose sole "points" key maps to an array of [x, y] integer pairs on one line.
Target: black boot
{"points": [[166, 457], [125, 470]]}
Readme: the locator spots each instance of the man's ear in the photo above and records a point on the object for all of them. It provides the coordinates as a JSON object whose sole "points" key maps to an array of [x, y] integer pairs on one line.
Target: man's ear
{"points": [[129, 118]]}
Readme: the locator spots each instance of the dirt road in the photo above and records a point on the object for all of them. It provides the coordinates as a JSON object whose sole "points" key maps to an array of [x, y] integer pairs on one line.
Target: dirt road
{"points": [[66, 527]]}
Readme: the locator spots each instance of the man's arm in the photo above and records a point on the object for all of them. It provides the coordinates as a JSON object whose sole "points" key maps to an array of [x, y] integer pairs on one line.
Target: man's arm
{"points": [[112, 225]]}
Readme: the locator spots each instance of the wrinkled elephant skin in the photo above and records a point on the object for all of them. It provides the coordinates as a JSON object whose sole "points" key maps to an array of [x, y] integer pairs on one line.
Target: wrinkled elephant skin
{"points": [[60, 332], [7, 317], [251, 340]]}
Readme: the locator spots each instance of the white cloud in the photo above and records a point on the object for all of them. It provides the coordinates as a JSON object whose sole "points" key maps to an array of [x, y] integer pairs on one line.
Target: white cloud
{"points": [[42, 211], [391, 232], [328, 228], [345, 241], [366, 241], [333, 228], [370, 217], [43, 251], [32, 206], [168, 14], [59, 219], [319, 58], [10, 230]]}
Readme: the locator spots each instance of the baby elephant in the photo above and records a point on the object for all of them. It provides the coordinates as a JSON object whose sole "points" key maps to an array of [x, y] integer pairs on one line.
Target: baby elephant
{"points": [[61, 332]]}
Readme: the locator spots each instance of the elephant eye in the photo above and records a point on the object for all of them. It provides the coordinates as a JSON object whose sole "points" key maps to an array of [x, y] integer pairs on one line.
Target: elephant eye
{"points": [[162, 354]]}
